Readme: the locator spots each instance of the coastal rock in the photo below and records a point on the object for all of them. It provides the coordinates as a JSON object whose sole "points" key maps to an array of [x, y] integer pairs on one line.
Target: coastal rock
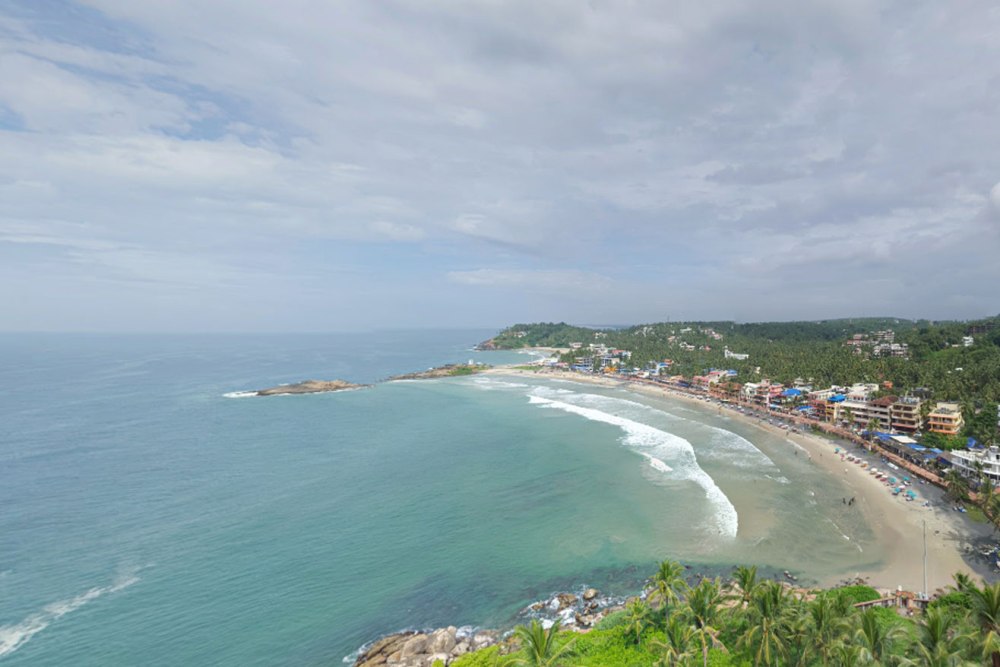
{"points": [[309, 387], [411, 649], [590, 594], [484, 638], [441, 641], [415, 645], [385, 651], [448, 370], [566, 600]]}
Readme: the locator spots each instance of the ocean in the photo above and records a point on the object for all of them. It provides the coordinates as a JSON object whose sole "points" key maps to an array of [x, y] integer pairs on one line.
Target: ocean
{"points": [[148, 516]]}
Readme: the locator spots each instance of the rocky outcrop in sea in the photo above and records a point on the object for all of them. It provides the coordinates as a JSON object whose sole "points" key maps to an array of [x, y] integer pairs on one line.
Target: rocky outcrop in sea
{"points": [[423, 649], [574, 611], [309, 387]]}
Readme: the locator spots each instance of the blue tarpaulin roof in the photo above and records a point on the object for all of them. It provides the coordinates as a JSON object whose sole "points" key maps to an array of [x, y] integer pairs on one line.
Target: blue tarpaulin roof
{"points": [[917, 448], [805, 407], [792, 392], [837, 398]]}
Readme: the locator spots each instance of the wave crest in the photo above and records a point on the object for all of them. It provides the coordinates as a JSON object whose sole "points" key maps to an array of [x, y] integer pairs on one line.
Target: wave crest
{"points": [[671, 447]]}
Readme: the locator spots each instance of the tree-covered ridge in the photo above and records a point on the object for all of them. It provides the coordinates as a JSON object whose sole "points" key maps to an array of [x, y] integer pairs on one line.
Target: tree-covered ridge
{"points": [[750, 621], [783, 351], [541, 334]]}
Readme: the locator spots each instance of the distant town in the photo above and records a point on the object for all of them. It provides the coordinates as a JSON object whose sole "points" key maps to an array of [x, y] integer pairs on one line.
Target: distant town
{"points": [[920, 423]]}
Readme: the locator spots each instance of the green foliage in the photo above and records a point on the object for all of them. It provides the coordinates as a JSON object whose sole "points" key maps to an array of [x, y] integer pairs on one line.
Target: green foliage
{"points": [[853, 594], [776, 627], [786, 350], [464, 369], [603, 648], [718, 658], [543, 334], [612, 620], [438, 663], [957, 601], [487, 657]]}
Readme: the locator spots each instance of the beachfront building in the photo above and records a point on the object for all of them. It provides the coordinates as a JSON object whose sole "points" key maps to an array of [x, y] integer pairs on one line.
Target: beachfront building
{"points": [[880, 411], [967, 462], [946, 418], [762, 393], [856, 406], [735, 355], [905, 414], [725, 390]]}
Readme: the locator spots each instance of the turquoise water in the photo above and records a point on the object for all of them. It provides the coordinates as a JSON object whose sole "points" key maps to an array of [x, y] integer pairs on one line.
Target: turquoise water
{"points": [[149, 519]]}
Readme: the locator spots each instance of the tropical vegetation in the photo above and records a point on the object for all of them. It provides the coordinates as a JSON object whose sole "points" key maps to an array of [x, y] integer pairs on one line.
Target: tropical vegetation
{"points": [[751, 620], [938, 362]]}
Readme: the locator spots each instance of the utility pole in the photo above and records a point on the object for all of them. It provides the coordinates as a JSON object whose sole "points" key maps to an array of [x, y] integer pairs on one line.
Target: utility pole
{"points": [[925, 557]]}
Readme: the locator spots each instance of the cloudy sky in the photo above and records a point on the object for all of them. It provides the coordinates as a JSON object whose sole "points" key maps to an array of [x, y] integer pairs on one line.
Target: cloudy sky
{"points": [[249, 165]]}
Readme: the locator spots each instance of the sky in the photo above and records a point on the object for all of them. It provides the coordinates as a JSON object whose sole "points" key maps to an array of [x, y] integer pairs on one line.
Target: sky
{"points": [[326, 165]]}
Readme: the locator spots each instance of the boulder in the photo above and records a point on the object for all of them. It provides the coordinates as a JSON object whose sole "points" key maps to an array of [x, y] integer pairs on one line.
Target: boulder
{"points": [[414, 646], [441, 641], [566, 600], [483, 638], [461, 648], [590, 594], [443, 657], [384, 651]]}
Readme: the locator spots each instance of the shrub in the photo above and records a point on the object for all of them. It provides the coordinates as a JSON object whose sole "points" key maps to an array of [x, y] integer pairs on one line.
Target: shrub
{"points": [[486, 657], [854, 594]]}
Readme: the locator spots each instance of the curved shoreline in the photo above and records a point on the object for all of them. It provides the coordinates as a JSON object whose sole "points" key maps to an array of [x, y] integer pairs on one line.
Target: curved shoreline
{"points": [[897, 524]]}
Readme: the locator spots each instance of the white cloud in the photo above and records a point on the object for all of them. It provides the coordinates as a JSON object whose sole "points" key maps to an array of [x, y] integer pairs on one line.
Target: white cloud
{"points": [[567, 282]]}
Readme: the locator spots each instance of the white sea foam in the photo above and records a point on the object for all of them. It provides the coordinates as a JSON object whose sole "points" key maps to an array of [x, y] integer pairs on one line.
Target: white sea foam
{"points": [[13, 637], [492, 383], [239, 394], [656, 463], [668, 447], [724, 445]]}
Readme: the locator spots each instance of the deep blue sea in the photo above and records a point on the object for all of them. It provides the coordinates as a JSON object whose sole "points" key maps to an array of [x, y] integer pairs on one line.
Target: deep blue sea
{"points": [[147, 518]]}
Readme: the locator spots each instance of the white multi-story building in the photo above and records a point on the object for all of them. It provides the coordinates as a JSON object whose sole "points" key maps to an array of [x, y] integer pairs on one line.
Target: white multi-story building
{"points": [[965, 462]]}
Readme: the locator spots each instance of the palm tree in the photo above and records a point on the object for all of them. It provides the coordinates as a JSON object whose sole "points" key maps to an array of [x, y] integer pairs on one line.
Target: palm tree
{"points": [[668, 584], [847, 655], [958, 485], [986, 614], [765, 636], [676, 647], [636, 618], [540, 646], [746, 579], [876, 639], [829, 626], [963, 582], [703, 605], [799, 631], [939, 644]]}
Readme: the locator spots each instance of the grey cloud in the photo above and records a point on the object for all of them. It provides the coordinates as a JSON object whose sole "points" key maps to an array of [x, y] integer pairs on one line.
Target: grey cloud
{"points": [[680, 147]]}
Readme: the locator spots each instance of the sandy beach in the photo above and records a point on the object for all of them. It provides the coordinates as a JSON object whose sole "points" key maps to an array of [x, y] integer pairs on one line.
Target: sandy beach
{"points": [[899, 524]]}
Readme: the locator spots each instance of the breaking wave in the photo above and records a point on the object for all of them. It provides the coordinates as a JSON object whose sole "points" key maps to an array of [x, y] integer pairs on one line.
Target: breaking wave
{"points": [[667, 447]]}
